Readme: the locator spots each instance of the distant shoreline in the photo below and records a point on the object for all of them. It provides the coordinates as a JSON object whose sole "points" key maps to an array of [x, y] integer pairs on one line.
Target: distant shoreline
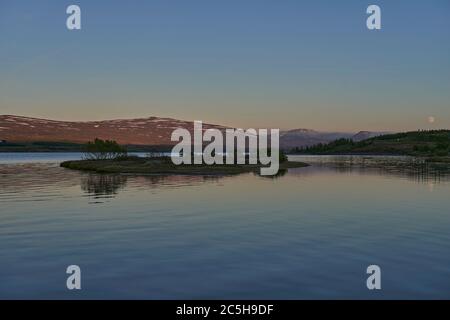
{"points": [[70, 147]]}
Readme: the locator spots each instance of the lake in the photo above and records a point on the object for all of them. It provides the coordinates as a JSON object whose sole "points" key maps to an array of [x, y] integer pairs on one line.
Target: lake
{"points": [[308, 234]]}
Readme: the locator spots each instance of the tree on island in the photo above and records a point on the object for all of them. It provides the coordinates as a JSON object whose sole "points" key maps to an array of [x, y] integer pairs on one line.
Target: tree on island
{"points": [[103, 150]]}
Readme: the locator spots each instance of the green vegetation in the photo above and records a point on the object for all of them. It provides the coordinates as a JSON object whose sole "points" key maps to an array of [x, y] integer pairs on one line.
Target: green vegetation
{"points": [[283, 157], [432, 143], [103, 150], [164, 165], [105, 156]]}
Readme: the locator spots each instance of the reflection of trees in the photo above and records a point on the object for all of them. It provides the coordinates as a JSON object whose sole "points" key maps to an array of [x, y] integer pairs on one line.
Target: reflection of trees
{"points": [[412, 169], [100, 185], [279, 174], [173, 181], [103, 184], [419, 171]]}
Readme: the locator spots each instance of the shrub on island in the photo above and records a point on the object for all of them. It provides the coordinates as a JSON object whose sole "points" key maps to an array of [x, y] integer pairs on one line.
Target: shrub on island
{"points": [[103, 150]]}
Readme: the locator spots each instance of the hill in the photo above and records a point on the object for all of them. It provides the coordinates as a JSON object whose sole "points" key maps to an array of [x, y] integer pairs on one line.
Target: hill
{"points": [[143, 131], [308, 137], [417, 143], [363, 135], [18, 133]]}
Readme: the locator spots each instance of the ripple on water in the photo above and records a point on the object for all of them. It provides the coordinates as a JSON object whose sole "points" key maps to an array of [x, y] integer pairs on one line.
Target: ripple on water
{"points": [[308, 234]]}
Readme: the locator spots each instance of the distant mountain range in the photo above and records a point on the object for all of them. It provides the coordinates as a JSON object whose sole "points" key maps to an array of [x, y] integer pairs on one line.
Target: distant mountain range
{"points": [[307, 137], [142, 131]]}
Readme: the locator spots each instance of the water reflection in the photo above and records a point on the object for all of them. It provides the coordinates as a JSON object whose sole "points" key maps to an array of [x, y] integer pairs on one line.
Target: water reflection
{"points": [[107, 186], [103, 186], [411, 168], [35, 181], [100, 185], [280, 173], [309, 233], [40, 181]]}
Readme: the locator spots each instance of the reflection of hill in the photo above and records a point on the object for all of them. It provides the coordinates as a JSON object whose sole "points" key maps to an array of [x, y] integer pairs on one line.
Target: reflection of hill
{"points": [[33, 176]]}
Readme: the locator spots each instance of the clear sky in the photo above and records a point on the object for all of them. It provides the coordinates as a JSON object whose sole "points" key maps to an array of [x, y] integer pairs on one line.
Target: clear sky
{"points": [[250, 63]]}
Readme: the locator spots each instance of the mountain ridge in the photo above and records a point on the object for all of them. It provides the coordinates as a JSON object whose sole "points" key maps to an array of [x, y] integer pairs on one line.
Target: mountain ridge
{"points": [[137, 131], [150, 130]]}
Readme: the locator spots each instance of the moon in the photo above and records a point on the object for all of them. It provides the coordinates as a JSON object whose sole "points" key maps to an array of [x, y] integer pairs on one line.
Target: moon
{"points": [[431, 119]]}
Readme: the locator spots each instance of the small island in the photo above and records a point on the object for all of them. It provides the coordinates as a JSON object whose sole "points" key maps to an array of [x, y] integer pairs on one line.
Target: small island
{"points": [[164, 165], [108, 157], [101, 156]]}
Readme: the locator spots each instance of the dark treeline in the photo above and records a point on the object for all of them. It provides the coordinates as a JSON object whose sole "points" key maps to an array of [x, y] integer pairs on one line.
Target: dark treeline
{"points": [[420, 143], [44, 146]]}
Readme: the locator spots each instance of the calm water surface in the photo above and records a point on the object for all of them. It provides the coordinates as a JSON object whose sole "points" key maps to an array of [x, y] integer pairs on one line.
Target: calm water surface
{"points": [[310, 233]]}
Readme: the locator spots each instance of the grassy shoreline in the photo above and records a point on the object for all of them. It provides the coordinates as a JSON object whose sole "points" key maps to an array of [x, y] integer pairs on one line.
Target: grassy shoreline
{"points": [[164, 165]]}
